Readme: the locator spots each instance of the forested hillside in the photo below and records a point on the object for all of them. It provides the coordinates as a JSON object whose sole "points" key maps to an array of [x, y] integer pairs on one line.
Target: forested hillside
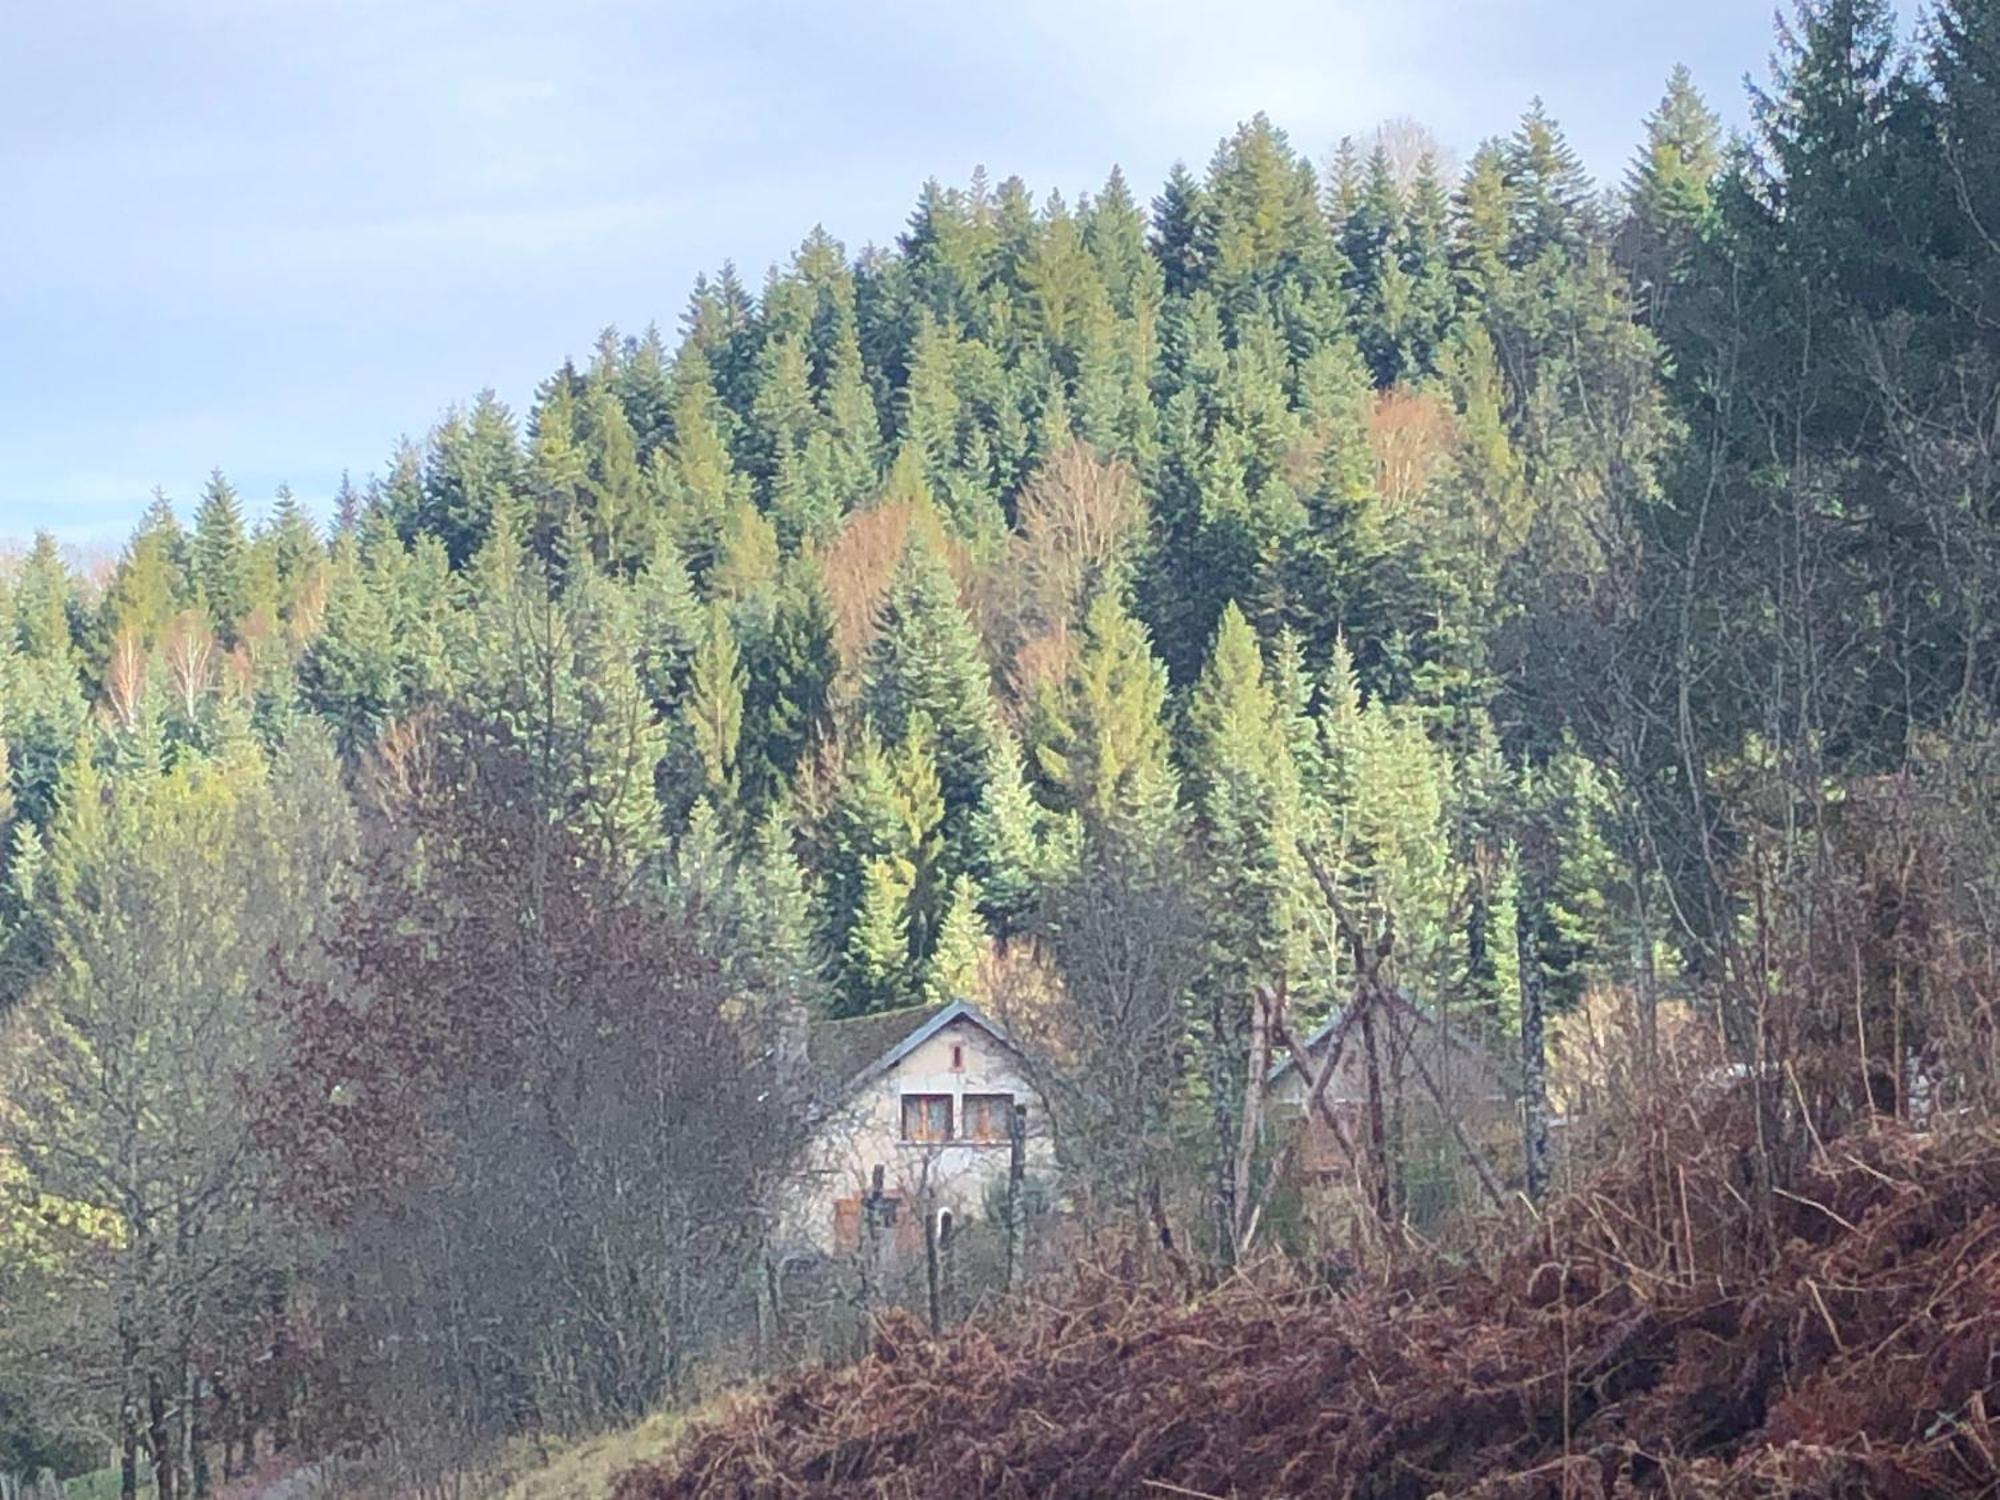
{"points": [[1534, 596]]}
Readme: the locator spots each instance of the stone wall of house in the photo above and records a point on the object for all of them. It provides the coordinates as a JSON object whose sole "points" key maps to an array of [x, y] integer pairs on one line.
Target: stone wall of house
{"points": [[961, 1060]]}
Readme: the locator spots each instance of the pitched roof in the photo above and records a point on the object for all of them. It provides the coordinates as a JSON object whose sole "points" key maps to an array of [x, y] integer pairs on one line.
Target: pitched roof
{"points": [[838, 1050], [1325, 1029], [845, 1052]]}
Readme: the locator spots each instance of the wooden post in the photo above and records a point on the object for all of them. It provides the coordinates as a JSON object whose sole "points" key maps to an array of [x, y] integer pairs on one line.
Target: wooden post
{"points": [[1378, 1145], [947, 1243], [871, 1240], [1017, 1167], [933, 1272], [1534, 1055]]}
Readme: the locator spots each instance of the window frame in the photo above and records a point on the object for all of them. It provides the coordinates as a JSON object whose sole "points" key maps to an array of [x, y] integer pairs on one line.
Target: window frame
{"points": [[925, 1102], [988, 1101]]}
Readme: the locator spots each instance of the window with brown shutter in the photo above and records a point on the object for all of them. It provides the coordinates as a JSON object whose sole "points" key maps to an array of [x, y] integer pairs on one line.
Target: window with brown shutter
{"points": [[927, 1118], [986, 1116]]}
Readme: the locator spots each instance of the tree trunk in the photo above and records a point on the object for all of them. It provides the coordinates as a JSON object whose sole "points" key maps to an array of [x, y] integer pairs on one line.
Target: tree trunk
{"points": [[871, 1251], [128, 1446], [191, 1479], [1252, 1118], [770, 1316], [159, 1436], [1647, 977], [1220, 1120]]}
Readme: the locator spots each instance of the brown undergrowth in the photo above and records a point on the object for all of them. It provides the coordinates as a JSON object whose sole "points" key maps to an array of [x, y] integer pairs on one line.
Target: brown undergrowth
{"points": [[1664, 1331]]}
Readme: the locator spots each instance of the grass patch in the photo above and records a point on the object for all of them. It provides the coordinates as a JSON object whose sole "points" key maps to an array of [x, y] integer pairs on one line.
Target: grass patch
{"points": [[586, 1470], [103, 1484]]}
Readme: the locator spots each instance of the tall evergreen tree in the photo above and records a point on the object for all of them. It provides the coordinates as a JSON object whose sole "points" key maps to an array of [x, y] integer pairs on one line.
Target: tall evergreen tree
{"points": [[1245, 794], [926, 661], [220, 556]]}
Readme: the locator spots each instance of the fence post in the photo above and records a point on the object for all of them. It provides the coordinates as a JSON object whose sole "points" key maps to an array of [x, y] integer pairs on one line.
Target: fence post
{"points": [[1017, 1166]]}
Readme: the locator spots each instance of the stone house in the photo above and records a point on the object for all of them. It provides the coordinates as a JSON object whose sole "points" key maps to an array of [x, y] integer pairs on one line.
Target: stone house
{"points": [[925, 1095]]}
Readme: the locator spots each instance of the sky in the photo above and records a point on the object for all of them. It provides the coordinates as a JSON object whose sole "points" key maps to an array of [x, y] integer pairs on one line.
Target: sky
{"points": [[273, 236]]}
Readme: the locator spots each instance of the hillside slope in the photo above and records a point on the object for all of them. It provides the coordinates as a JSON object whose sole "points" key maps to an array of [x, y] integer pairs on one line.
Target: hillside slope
{"points": [[1643, 1343]]}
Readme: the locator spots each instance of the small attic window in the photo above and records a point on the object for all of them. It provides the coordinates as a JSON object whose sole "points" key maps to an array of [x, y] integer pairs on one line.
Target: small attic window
{"points": [[958, 1057]]}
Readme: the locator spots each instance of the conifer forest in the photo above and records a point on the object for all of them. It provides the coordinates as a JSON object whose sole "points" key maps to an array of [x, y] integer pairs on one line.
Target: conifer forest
{"points": [[1322, 599]]}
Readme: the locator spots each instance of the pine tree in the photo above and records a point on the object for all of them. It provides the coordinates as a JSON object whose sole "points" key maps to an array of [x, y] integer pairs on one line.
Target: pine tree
{"points": [[613, 743], [698, 477], [926, 662], [43, 711], [878, 947], [1009, 834], [1108, 756], [1424, 253], [1245, 796], [782, 953], [220, 557], [951, 972], [1181, 233], [715, 708], [349, 673], [789, 699], [1483, 232], [472, 470], [645, 391], [150, 586], [1670, 192], [1549, 193], [1369, 234], [558, 472]]}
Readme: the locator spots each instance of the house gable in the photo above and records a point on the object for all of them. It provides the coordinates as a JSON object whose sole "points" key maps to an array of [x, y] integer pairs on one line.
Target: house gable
{"points": [[929, 1108]]}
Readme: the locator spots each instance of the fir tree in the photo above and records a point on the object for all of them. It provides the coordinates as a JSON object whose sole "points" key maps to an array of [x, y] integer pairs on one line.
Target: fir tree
{"points": [[220, 556], [878, 947], [926, 662], [715, 707], [1245, 795], [951, 972], [1108, 756], [1671, 193]]}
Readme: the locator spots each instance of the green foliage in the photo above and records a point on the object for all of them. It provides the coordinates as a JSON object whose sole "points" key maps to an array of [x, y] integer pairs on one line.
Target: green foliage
{"points": [[1478, 546], [926, 667], [1107, 754], [715, 706], [1245, 795], [219, 557]]}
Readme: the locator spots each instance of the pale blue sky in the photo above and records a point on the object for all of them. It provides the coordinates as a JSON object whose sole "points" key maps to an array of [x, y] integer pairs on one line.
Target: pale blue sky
{"points": [[273, 235]]}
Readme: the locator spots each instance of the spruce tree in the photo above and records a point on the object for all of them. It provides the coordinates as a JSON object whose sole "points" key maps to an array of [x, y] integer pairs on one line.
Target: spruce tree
{"points": [[1670, 193], [150, 586], [876, 958], [1245, 798], [926, 662], [472, 470], [715, 708], [951, 971], [220, 557], [1108, 755]]}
